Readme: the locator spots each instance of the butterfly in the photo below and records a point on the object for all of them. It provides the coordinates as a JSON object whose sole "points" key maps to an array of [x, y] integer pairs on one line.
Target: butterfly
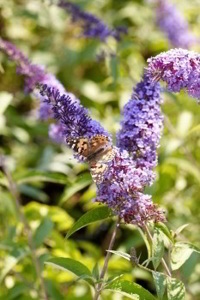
{"points": [[97, 151]]}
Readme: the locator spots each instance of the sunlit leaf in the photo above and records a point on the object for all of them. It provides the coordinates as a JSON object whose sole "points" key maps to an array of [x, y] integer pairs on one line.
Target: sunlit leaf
{"points": [[180, 253], [175, 289], [130, 289], [94, 215]]}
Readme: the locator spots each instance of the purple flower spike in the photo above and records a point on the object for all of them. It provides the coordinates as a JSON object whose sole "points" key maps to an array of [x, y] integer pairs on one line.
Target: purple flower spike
{"points": [[173, 24], [122, 191], [179, 68], [33, 74], [142, 125], [91, 25], [73, 117]]}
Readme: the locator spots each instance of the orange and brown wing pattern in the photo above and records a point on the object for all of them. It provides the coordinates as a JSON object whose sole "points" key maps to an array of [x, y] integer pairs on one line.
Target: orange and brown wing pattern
{"points": [[79, 145], [97, 151]]}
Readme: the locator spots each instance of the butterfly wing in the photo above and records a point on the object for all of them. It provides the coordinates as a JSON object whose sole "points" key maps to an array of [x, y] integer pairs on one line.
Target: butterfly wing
{"points": [[80, 145], [98, 171]]}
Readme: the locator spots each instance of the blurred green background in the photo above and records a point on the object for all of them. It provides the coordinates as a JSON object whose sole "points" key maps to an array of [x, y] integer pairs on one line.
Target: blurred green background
{"points": [[55, 189]]}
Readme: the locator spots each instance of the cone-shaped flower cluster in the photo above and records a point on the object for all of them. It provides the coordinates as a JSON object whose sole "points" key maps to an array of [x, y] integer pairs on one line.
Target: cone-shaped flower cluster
{"points": [[179, 68], [92, 26], [173, 24], [142, 124]]}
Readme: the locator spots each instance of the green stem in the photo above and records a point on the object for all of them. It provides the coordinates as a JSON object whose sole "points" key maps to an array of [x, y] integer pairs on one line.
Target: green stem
{"points": [[105, 266], [14, 191]]}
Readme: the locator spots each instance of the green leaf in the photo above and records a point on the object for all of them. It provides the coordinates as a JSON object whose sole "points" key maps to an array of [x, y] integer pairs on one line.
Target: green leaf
{"points": [[160, 283], [180, 253], [38, 176], [72, 265], [157, 248], [42, 231], [162, 227], [33, 192], [121, 254], [180, 229], [95, 271], [130, 289], [94, 215], [82, 182], [175, 289]]}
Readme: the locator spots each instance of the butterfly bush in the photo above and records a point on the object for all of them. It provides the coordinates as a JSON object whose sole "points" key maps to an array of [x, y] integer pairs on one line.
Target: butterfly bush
{"points": [[142, 124], [179, 68], [124, 182], [92, 26], [122, 188], [173, 24]]}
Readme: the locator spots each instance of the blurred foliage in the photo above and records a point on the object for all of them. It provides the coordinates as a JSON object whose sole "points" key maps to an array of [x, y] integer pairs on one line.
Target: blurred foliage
{"points": [[55, 190]]}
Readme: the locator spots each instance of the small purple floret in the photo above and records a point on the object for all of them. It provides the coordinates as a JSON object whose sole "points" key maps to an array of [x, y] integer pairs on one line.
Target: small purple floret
{"points": [[142, 124], [122, 190], [72, 115], [179, 68]]}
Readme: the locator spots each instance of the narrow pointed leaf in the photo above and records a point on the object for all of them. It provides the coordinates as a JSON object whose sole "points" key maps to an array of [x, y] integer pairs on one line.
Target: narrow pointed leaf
{"points": [[38, 175], [72, 265], [120, 253], [180, 229], [94, 215]]}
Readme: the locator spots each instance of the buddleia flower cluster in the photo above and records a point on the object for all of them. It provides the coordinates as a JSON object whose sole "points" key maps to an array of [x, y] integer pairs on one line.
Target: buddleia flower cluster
{"points": [[173, 24], [130, 170], [142, 125], [33, 74], [179, 68], [92, 27]]}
